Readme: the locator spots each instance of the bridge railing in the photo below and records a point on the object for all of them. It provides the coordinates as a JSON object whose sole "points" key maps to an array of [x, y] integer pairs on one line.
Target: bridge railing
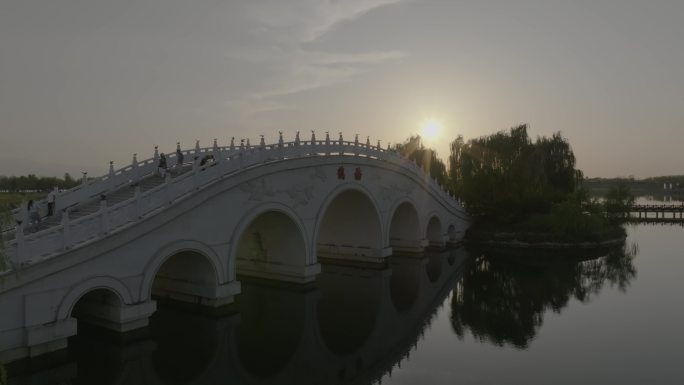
{"points": [[227, 160]]}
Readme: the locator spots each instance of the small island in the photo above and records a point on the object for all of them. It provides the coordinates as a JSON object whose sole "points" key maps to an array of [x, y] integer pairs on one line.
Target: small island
{"points": [[524, 193]]}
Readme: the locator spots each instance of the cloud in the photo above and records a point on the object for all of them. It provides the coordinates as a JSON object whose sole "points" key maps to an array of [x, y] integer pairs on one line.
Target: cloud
{"points": [[281, 32], [307, 20]]}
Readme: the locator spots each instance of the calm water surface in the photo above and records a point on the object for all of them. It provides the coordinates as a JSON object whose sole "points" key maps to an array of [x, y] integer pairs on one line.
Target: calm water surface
{"points": [[456, 317]]}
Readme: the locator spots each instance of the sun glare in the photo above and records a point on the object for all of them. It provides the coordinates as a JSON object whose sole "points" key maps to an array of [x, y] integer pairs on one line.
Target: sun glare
{"points": [[431, 128]]}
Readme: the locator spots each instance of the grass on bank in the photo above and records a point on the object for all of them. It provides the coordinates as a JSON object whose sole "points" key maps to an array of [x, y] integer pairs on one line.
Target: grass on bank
{"points": [[567, 222]]}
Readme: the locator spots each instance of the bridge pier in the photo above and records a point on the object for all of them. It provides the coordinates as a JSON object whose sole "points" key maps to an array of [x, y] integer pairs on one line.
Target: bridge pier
{"points": [[112, 315], [411, 247], [438, 244], [276, 272], [346, 253], [197, 293]]}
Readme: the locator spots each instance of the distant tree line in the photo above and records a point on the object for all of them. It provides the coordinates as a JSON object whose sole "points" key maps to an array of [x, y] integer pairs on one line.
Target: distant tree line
{"points": [[32, 182]]}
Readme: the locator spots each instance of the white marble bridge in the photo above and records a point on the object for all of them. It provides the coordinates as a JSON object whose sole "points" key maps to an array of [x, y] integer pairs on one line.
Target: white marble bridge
{"points": [[266, 211]]}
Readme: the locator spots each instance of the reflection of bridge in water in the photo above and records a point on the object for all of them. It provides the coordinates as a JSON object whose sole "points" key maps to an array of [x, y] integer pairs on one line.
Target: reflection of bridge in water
{"points": [[269, 211], [353, 326]]}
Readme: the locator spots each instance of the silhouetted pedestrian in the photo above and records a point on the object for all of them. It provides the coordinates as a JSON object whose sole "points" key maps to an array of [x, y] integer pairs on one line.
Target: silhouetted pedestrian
{"points": [[34, 215], [179, 158], [51, 198], [162, 165]]}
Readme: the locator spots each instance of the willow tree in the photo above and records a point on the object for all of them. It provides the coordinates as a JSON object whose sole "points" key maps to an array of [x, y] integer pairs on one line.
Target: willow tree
{"points": [[424, 157], [507, 175]]}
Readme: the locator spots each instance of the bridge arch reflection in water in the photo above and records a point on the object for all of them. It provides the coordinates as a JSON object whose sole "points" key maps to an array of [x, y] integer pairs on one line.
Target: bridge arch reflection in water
{"points": [[284, 334]]}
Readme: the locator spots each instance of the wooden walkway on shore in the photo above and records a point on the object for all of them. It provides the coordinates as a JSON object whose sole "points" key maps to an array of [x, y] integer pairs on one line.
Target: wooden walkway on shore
{"points": [[670, 212]]}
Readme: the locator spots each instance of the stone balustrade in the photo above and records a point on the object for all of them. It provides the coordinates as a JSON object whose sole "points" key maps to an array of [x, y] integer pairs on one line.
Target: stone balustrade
{"points": [[28, 248]]}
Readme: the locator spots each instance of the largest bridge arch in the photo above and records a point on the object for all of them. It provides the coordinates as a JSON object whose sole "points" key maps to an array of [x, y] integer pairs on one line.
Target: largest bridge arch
{"points": [[216, 215]]}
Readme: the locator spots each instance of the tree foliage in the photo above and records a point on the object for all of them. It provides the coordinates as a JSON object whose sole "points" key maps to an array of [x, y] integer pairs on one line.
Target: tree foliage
{"points": [[619, 200], [32, 182], [507, 175], [424, 157]]}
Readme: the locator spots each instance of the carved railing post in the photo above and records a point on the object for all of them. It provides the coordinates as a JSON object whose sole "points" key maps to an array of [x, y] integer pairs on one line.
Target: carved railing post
{"points": [[104, 216], [134, 168], [341, 144], [21, 244], [156, 155], [281, 144], [24, 215], [84, 182], [327, 143], [368, 146], [296, 143], [167, 189], [262, 149], [138, 203], [232, 145], [66, 231], [313, 143], [242, 153], [356, 145], [197, 148], [195, 172], [218, 154], [111, 169]]}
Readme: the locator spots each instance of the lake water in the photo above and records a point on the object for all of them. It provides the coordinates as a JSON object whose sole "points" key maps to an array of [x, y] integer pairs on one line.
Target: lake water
{"points": [[455, 317]]}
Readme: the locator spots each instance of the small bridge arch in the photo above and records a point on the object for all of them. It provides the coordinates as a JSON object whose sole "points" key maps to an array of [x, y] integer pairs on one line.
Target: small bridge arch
{"points": [[185, 270], [271, 235], [89, 285], [349, 224], [434, 232], [404, 234]]}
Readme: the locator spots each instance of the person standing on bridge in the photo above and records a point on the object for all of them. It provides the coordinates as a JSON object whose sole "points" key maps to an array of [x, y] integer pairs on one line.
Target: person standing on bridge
{"points": [[179, 158], [52, 196], [162, 165], [34, 216]]}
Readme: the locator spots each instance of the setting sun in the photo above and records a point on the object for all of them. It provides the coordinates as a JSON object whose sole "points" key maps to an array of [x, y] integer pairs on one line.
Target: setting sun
{"points": [[431, 128]]}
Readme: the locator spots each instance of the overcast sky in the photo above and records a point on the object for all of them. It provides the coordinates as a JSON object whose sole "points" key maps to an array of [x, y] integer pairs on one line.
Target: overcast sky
{"points": [[83, 82]]}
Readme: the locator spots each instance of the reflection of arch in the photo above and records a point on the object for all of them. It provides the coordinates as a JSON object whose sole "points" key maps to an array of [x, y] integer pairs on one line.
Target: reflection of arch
{"points": [[348, 309], [434, 232], [349, 223], [271, 329], [451, 233], [404, 226], [434, 266], [405, 282], [101, 282], [184, 357], [184, 267], [272, 233]]}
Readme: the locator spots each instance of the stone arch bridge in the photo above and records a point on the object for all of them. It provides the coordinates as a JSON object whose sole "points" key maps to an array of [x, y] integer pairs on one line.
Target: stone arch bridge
{"points": [[267, 211]]}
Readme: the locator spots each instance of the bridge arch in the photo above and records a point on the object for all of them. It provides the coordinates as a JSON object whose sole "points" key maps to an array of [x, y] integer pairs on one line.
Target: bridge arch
{"points": [[403, 226], [434, 232], [267, 240], [78, 291], [349, 223], [452, 233], [187, 267]]}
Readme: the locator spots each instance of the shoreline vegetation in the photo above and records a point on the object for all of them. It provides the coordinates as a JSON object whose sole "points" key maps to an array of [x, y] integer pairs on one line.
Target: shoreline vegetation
{"points": [[524, 193]]}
